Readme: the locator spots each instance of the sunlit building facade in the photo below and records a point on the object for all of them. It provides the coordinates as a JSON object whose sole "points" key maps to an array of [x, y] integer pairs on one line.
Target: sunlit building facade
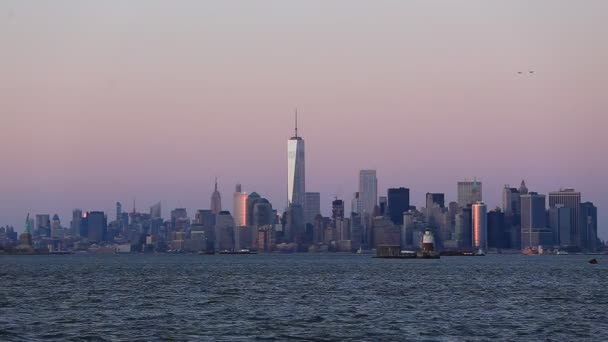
{"points": [[480, 226], [296, 176]]}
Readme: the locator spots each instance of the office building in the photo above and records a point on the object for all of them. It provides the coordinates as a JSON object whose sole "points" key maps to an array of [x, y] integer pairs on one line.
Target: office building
{"points": [[433, 199], [534, 231], [480, 226], [216, 200], [43, 225], [569, 198], [588, 223], [497, 234], [398, 203], [560, 224], [239, 207], [337, 209], [96, 224], [296, 169], [368, 190], [469, 193], [312, 206], [155, 211]]}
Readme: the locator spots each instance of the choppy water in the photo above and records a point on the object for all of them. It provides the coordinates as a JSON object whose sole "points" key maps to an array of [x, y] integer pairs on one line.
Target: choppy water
{"points": [[302, 297]]}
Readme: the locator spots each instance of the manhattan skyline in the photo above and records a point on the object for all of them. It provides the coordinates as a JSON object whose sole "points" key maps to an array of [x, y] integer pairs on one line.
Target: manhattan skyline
{"points": [[96, 109]]}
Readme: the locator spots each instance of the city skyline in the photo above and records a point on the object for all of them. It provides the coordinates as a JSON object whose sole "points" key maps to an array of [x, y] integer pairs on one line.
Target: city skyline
{"points": [[105, 115]]}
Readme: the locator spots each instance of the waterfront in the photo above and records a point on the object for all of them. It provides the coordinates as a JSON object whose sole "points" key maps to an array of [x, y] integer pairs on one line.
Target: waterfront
{"points": [[302, 297]]}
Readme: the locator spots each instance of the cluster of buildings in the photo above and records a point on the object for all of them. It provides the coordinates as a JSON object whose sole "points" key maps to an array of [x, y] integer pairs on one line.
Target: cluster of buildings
{"points": [[525, 222]]}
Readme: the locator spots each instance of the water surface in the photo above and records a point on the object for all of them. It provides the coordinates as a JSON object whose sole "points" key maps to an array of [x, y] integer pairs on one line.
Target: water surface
{"points": [[302, 297]]}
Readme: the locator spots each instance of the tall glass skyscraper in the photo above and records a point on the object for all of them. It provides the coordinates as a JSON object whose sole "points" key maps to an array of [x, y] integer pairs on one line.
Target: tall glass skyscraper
{"points": [[296, 177], [480, 226], [368, 190]]}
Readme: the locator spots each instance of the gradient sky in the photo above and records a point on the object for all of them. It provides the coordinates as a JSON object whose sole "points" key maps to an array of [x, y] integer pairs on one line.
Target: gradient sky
{"points": [[105, 101]]}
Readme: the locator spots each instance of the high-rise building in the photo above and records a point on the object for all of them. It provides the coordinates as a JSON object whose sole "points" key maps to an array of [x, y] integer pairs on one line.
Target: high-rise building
{"points": [[56, 229], [356, 204], [559, 222], [534, 230], [224, 231], [263, 214], [216, 200], [398, 203], [337, 209], [239, 209], [76, 223], [435, 199], [312, 206], [569, 198], [43, 225], [464, 229], [510, 201], [497, 234], [296, 169], [382, 205], [97, 224], [469, 193], [155, 211], [589, 227], [480, 226], [118, 210], [368, 190]]}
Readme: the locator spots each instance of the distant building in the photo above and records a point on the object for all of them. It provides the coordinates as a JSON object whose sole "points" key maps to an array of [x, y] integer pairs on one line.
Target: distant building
{"points": [[469, 193], [498, 237], [76, 223], [43, 225], [569, 198], [356, 204], [368, 190], [312, 206], [560, 224], [224, 231], [97, 224], [534, 231], [435, 199], [398, 203], [589, 227], [216, 200], [155, 211], [296, 169], [510, 201], [239, 208], [480, 226], [382, 206], [337, 209], [464, 229]]}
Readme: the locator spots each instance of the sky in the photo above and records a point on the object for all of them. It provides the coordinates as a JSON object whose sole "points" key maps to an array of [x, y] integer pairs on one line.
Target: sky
{"points": [[105, 101]]}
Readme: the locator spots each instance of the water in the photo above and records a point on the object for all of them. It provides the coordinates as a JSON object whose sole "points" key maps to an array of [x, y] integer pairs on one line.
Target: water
{"points": [[302, 297]]}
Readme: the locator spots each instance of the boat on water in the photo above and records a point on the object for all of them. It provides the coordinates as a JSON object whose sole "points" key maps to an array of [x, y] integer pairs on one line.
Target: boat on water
{"points": [[530, 251]]}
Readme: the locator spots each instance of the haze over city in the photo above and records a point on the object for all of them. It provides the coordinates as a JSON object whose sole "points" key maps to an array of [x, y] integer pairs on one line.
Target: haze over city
{"points": [[103, 101]]}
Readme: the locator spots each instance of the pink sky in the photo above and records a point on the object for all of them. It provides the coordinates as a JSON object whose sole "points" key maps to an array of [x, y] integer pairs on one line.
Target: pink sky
{"points": [[106, 101]]}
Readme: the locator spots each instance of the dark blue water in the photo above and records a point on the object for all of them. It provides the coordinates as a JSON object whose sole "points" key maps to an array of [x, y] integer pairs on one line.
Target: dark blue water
{"points": [[302, 297]]}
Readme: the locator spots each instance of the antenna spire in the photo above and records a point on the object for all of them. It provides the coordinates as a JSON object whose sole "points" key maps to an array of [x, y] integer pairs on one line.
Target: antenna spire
{"points": [[296, 122]]}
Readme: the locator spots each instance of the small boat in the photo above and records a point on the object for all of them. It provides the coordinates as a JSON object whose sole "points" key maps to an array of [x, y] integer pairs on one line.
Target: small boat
{"points": [[593, 261], [530, 251]]}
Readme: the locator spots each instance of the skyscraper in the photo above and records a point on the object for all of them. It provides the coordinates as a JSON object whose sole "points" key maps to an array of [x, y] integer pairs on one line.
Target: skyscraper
{"points": [[296, 176], [368, 190], [312, 206], [398, 203], [469, 193], [589, 226], [96, 223], [155, 211], [510, 201], [76, 223], [569, 198], [239, 207], [435, 198], [534, 230], [480, 226], [216, 200], [337, 209]]}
